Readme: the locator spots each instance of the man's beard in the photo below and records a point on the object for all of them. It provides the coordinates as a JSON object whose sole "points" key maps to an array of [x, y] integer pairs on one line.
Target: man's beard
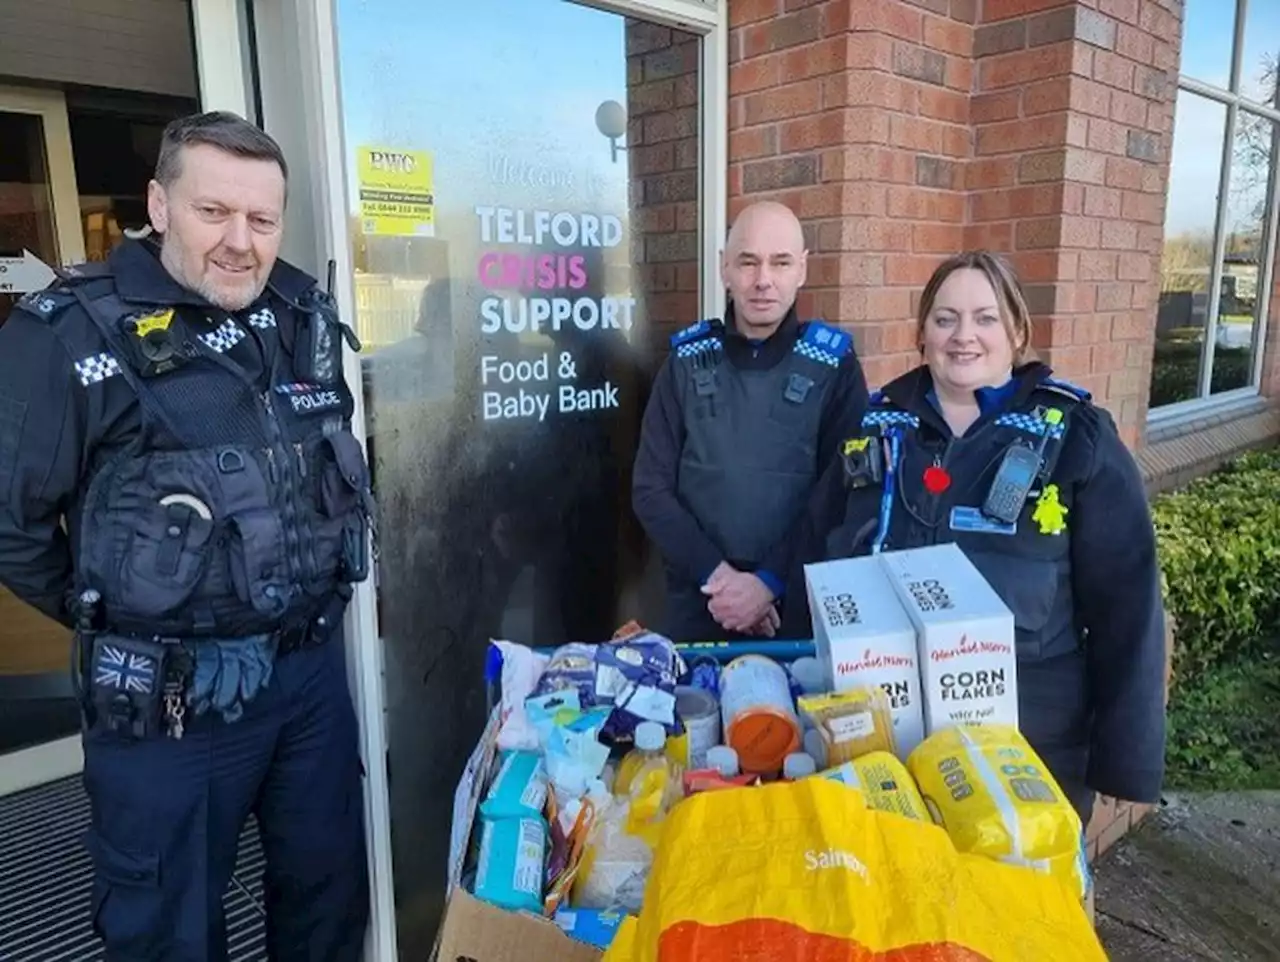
{"points": [[228, 300]]}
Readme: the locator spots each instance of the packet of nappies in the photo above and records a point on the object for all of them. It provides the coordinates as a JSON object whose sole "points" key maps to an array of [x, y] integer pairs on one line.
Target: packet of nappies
{"points": [[519, 790], [512, 857]]}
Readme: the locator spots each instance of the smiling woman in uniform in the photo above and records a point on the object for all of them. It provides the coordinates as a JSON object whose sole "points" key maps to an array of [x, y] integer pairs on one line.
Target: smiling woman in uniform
{"points": [[1031, 480]]}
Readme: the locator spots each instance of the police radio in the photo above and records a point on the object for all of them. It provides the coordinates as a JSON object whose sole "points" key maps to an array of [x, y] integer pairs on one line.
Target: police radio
{"points": [[1012, 484], [317, 357]]}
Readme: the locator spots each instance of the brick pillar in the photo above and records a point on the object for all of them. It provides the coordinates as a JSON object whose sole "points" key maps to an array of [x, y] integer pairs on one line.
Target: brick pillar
{"points": [[1073, 112], [663, 157], [857, 116]]}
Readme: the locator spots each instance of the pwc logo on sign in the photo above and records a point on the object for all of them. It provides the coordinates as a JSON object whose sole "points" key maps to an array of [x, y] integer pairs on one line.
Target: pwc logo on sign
{"points": [[392, 162]]}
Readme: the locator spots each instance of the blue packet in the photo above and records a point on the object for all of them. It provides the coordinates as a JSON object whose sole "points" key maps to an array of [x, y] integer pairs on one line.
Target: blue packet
{"points": [[519, 790], [575, 754], [592, 926], [511, 868], [638, 675], [546, 712]]}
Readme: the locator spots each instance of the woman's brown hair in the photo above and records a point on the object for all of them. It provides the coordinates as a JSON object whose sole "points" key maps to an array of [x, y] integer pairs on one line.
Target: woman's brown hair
{"points": [[1003, 280]]}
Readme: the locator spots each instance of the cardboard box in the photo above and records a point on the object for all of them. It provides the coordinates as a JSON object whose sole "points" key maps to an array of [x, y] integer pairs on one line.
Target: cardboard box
{"points": [[865, 638], [474, 931], [968, 665]]}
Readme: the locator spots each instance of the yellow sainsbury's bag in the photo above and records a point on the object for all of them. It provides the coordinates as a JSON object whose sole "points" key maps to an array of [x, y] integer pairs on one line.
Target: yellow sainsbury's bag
{"points": [[995, 797], [804, 870]]}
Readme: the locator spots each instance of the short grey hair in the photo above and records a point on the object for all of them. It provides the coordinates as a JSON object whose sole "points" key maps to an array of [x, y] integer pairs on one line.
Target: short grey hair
{"points": [[216, 128]]}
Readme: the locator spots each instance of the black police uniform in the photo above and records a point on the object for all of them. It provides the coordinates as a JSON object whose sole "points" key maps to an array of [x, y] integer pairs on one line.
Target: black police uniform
{"points": [[1085, 598], [217, 508], [735, 435]]}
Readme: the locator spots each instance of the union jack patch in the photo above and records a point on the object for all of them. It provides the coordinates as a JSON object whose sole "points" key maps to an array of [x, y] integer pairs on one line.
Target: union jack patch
{"points": [[125, 670]]}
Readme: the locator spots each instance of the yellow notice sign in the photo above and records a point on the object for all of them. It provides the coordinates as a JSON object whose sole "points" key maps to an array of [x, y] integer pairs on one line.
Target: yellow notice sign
{"points": [[397, 196]]}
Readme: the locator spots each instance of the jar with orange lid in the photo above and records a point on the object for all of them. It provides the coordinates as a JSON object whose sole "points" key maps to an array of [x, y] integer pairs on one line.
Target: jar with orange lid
{"points": [[760, 720]]}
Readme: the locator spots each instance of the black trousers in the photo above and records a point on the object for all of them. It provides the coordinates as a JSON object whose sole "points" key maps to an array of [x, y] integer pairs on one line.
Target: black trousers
{"points": [[168, 814]]}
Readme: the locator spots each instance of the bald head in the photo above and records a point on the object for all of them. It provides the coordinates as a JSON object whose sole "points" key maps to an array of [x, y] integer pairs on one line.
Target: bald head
{"points": [[764, 266]]}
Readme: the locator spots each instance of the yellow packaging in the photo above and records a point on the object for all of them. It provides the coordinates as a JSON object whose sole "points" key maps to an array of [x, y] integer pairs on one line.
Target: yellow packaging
{"points": [[884, 782], [987, 787], [852, 723], [804, 870]]}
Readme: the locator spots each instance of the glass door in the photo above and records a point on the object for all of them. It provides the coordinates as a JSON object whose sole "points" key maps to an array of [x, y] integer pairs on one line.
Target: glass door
{"points": [[39, 227]]}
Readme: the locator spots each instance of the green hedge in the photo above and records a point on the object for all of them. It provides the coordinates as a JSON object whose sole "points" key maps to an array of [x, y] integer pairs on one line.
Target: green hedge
{"points": [[1219, 542]]}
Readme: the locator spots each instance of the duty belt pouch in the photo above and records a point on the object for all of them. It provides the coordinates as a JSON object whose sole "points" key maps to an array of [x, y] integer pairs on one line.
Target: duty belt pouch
{"points": [[346, 491], [126, 685]]}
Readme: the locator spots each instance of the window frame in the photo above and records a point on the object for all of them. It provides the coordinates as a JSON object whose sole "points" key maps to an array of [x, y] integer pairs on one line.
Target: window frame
{"points": [[1234, 102]]}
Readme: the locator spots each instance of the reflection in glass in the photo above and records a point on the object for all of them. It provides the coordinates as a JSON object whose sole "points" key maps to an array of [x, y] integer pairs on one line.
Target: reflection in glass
{"points": [[33, 648], [1240, 308], [1187, 258], [26, 204], [523, 189], [115, 149], [1260, 52]]}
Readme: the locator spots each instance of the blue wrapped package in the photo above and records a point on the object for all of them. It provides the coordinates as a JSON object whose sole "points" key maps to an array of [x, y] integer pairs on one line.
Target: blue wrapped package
{"points": [[592, 926], [513, 855], [520, 789], [638, 676]]}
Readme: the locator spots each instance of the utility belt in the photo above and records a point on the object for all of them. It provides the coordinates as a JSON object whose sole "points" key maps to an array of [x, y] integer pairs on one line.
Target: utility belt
{"points": [[142, 688]]}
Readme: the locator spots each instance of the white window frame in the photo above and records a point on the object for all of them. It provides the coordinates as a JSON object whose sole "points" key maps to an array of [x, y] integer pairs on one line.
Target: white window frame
{"points": [[302, 108], [1205, 403], [61, 757]]}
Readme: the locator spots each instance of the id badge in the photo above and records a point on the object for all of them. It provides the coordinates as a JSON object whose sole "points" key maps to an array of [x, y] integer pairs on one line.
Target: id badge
{"points": [[974, 521]]}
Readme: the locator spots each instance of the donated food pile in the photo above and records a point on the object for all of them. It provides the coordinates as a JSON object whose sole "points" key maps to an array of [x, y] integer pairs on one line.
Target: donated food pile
{"points": [[597, 745]]}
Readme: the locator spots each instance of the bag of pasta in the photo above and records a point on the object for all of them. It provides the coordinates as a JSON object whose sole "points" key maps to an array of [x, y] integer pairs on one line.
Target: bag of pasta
{"points": [[987, 787], [804, 870]]}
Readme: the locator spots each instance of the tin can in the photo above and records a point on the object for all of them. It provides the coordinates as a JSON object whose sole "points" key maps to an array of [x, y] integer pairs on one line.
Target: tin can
{"points": [[701, 716]]}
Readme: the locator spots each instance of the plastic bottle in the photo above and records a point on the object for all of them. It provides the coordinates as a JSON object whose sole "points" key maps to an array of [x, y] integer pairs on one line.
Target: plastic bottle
{"points": [[798, 765], [815, 746], [651, 743], [724, 760]]}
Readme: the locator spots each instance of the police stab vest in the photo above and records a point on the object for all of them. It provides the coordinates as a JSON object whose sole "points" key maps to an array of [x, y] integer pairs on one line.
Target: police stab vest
{"points": [[750, 455], [236, 510], [1029, 563]]}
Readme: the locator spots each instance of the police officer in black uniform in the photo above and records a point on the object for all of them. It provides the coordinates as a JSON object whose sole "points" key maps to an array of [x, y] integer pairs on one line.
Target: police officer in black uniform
{"points": [[745, 414], [181, 408], [981, 447]]}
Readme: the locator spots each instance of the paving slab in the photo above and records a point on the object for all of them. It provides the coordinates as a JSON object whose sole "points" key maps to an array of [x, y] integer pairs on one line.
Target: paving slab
{"points": [[1197, 881]]}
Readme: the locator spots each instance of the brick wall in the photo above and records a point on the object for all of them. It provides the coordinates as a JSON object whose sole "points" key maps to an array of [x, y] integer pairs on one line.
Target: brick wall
{"points": [[857, 115], [1073, 112], [663, 157], [903, 130]]}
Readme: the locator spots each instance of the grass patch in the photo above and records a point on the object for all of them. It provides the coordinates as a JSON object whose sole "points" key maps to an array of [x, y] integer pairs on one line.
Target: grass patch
{"points": [[1224, 729]]}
